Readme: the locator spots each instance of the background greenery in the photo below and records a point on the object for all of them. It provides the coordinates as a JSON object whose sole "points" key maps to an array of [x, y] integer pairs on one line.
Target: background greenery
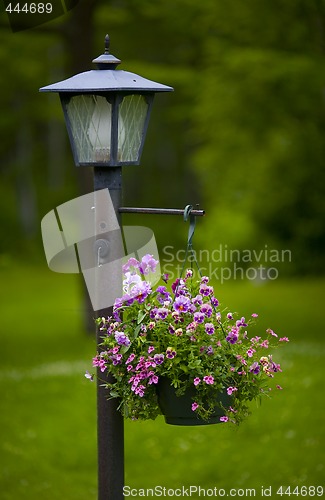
{"points": [[243, 133], [243, 136]]}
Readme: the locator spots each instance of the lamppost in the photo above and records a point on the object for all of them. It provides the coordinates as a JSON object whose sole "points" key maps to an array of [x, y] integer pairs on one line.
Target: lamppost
{"points": [[107, 113]]}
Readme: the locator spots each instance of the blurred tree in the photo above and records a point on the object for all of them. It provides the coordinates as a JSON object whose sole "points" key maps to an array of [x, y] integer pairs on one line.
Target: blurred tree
{"points": [[243, 134], [260, 118]]}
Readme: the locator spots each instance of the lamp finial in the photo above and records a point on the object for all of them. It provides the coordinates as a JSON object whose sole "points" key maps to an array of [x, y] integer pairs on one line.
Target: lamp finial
{"points": [[106, 60], [107, 41]]}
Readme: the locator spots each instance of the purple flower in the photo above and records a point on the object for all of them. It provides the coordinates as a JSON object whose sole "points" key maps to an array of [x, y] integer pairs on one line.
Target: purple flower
{"points": [[171, 329], [194, 406], [182, 304], [205, 290], [161, 313], [170, 353], [214, 301], [232, 336], [196, 381], [210, 350], [89, 376], [148, 264], [141, 291], [159, 358], [254, 368], [191, 327], [153, 313], [197, 301], [241, 322], [122, 339], [206, 309], [176, 284], [199, 317], [230, 316], [132, 262], [209, 328], [208, 379], [116, 359], [164, 295]]}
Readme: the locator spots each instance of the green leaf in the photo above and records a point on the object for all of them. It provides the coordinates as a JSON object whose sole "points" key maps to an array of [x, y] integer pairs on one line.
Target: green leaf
{"points": [[125, 348], [141, 316], [184, 368], [137, 330]]}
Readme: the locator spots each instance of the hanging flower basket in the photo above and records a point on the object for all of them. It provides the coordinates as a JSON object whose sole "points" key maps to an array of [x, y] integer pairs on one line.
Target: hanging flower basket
{"points": [[159, 339], [178, 410]]}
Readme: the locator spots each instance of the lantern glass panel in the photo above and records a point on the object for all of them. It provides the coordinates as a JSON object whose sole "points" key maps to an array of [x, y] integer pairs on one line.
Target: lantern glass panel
{"points": [[90, 118], [132, 116]]}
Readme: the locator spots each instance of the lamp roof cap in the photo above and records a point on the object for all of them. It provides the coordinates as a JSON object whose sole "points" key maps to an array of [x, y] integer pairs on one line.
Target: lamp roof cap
{"points": [[106, 79]]}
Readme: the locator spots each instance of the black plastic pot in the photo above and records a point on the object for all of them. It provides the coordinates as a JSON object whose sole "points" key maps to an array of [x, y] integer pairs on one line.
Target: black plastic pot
{"points": [[177, 410]]}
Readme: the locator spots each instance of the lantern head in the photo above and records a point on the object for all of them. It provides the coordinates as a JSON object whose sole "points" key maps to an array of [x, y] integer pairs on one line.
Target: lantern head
{"points": [[106, 112]]}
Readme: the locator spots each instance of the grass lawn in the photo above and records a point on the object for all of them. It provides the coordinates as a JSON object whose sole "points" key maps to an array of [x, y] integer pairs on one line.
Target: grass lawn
{"points": [[48, 408]]}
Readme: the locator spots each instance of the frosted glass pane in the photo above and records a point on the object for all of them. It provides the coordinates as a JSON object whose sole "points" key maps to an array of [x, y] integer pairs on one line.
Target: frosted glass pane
{"points": [[131, 121], [90, 123]]}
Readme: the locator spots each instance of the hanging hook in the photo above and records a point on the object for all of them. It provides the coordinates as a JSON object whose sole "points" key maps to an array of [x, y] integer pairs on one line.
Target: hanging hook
{"points": [[187, 214]]}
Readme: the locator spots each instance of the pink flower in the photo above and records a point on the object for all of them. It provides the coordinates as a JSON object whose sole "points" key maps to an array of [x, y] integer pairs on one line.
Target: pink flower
{"points": [[197, 380], [130, 359], [208, 379], [250, 352], [230, 390], [224, 419], [271, 332], [254, 315], [100, 363], [279, 387], [194, 406], [150, 349], [284, 339]]}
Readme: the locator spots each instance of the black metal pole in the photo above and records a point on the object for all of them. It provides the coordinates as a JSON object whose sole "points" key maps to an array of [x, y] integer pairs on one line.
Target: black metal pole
{"points": [[110, 425]]}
